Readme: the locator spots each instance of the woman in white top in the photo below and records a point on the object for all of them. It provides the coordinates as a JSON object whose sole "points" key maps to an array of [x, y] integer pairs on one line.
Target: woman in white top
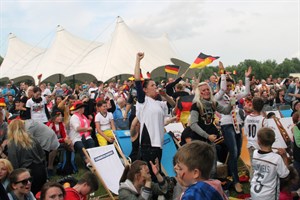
{"points": [[151, 114], [36, 107], [80, 129]]}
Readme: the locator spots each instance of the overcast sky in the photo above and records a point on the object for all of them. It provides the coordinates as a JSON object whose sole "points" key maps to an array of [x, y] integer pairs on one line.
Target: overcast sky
{"points": [[233, 30]]}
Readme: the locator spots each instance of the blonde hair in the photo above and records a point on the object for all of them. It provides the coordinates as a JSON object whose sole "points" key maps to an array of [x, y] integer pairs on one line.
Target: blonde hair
{"points": [[197, 98], [18, 135], [7, 164]]}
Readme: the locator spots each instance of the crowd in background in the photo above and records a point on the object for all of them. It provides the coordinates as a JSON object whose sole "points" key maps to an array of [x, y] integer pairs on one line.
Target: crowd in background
{"points": [[38, 122]]}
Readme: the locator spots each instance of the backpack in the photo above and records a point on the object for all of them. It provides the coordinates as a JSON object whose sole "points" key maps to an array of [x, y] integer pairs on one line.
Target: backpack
{"points": [[68, 166]]}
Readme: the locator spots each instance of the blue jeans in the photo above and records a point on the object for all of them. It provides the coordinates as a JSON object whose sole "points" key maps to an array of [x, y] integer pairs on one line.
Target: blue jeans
{"points": [[233, 142]]}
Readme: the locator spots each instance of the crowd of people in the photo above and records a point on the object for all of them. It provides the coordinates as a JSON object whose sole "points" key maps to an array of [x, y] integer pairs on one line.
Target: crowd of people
{"points": [[39, 123]]}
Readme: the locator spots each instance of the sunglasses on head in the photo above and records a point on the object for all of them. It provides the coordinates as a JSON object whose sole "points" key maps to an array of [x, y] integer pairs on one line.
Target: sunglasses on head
{"points": [[25, 181]]}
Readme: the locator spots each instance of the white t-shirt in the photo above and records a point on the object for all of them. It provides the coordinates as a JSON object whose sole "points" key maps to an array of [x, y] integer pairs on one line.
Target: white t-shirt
{"points": [[92, 92], [152, 114], [104, 121], [74, 124], [46, 92], [252, 124], [267, 169], [37, 110]]}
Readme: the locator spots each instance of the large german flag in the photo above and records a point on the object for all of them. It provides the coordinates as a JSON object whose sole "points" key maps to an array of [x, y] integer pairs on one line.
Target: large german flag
{"points": [[183, 108], [202, 60], [172, 69]]}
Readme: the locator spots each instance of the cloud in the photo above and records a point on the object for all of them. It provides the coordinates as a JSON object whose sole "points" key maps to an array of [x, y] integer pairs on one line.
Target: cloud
{"points": [[179, 20]]}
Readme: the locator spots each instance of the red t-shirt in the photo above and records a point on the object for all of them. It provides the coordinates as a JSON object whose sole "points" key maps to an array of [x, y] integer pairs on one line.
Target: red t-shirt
{"points": [[72, 194]]}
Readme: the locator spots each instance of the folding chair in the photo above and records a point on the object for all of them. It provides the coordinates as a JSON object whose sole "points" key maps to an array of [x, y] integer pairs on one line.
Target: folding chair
{"points": [[276, 112], [168, 153], [107, 165], [123, 137]]}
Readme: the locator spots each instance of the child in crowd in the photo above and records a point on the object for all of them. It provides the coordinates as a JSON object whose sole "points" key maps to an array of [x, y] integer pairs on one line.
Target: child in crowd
{"points": [[136, 182], [87, 184], [253, 123], [193, 165], [268, 167], [105, 126]]}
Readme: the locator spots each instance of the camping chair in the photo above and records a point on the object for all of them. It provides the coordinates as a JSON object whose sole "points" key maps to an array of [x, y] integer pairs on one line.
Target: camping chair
{"points": [[285, 110], [276, 112], [107, 165], [123, 137], [168, 153], [175, 130]]}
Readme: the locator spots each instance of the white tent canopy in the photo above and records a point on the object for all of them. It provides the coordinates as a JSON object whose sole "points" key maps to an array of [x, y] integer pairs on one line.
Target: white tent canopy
{"points": [[70, 55]]}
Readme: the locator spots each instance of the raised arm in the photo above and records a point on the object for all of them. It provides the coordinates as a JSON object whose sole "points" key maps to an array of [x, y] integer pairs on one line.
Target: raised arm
{"points": [[247, 84], [223, 86]]}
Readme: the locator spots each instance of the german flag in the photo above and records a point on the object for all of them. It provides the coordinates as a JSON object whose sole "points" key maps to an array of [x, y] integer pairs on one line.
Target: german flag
{"points": [[184, 106], [172, 69], [202, 60]]}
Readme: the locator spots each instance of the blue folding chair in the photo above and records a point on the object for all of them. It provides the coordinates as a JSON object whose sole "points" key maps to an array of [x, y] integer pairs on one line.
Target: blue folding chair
{"points": [[168, 153], [286, 113], [123, 137]]}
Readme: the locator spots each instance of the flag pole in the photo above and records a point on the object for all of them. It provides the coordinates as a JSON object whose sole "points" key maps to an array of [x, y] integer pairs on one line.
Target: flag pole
{"points": [[200, 75], [187, 70]]}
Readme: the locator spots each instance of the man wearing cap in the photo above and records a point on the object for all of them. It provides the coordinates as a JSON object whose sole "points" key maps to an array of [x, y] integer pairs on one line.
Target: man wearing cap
{"points": [[2, 107], [80, 129]]}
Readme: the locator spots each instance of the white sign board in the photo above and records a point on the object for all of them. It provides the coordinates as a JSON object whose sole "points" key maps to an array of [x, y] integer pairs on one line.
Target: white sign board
{"points": [[176, 128], [108, 165]]}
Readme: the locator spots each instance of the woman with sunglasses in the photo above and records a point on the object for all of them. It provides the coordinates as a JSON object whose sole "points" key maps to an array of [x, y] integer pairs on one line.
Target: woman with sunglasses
{"points": [[25, 152], [20, 185]]}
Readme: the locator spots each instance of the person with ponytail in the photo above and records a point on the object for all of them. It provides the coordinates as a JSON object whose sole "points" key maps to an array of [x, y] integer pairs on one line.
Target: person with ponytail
{"points": [[25, 152], [36, 107], [136, 183]]}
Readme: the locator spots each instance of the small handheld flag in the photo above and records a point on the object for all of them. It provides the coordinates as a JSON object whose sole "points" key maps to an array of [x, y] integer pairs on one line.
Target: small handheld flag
{"points": [[148, 74], [172, 69], [202, 60]]}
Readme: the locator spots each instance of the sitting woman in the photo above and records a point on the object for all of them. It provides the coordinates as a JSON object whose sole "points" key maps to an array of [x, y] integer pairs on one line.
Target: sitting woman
{"points": [[20, 185], [105, 126], [66, 146], [136, 183], [25, 152], [5, 169]]}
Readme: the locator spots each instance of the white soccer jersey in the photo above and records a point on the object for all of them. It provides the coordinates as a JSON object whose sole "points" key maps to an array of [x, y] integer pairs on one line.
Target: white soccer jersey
{"points": [[267, 169], [104, 120], [252, 124]]}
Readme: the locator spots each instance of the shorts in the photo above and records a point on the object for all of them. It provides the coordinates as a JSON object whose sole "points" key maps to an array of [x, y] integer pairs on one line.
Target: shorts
{"points": [[101, 140]]}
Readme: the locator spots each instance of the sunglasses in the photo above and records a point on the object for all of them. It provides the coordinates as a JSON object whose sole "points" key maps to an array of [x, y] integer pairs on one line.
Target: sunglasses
{"points": [[25, 181]]}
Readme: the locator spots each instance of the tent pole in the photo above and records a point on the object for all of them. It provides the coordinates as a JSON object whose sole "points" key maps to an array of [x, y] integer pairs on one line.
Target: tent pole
{"points": [[59, 78]]}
